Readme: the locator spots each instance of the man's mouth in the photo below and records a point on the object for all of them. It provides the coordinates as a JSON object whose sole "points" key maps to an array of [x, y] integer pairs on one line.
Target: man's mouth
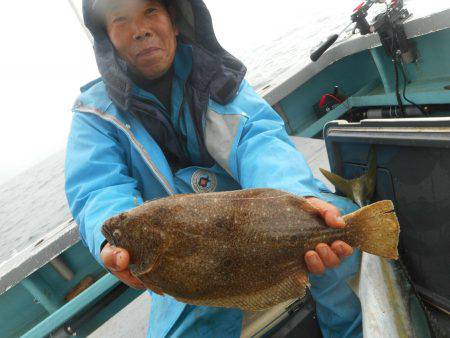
{"points": [[147, 52]]}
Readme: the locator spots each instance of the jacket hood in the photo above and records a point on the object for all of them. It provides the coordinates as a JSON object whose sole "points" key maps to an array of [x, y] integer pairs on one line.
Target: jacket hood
{"points": [[195, 25]]}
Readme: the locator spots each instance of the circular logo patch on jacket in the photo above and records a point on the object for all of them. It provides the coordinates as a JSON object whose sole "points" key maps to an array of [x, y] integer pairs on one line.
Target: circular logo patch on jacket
{"points": [[203, 181]]}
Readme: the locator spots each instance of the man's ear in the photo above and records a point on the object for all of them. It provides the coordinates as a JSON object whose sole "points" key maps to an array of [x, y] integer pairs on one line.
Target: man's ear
{"points": [[175, 28], [173, 17]]}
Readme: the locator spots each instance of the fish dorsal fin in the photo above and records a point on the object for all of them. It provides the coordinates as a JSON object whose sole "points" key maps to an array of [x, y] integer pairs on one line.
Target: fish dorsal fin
{"points": [[290, 288]]}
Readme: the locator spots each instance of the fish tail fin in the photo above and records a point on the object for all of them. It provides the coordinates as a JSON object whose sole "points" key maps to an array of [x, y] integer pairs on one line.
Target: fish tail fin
{"points": [[361, 189], [339, 182], [376, 229]]}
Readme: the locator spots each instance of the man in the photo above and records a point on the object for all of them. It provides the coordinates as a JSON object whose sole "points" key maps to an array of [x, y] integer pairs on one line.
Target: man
{"points": [[172, 114]]}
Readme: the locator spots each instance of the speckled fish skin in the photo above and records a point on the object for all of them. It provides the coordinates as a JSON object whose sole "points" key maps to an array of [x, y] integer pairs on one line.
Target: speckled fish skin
{"points": [[233, 249]]}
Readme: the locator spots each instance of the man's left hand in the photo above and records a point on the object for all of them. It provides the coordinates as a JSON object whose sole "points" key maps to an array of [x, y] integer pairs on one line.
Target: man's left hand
{"points": [[325, 256]]}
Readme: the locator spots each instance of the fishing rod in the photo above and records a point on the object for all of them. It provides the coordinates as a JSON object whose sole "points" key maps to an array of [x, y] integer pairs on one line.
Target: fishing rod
{"points": [[80, 20], [383, 23], [315, 55]]}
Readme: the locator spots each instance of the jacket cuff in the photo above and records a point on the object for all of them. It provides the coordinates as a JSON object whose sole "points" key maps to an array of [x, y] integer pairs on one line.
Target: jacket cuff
{"points": [[332, 277], [99, 242]]}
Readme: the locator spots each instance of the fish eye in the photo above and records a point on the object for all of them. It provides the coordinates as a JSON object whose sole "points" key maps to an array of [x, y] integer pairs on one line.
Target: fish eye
{"points": [[117, 233]]}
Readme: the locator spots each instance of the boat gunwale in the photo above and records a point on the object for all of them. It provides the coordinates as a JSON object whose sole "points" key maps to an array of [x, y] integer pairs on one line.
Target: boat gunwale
{"points": [[35, 256], [279, 88]]}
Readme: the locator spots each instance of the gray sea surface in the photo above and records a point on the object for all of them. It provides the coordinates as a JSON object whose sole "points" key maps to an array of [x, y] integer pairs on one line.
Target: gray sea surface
{"points": [[33, 202]]}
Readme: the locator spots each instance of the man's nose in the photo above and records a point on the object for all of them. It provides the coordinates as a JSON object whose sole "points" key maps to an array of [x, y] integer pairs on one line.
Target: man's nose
{"points": [[141, 32], [141, 35]]}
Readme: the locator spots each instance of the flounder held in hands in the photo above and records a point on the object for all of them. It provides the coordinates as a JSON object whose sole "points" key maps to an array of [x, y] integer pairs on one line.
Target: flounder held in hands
{"points": [[240, 249]]}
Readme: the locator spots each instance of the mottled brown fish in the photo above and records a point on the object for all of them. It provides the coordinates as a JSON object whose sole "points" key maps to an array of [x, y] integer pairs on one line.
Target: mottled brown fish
{"points": [[240, 249]]}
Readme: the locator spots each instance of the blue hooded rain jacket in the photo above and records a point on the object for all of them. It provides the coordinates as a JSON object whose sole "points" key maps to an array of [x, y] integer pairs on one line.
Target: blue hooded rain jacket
{"points": [[114, 163]]}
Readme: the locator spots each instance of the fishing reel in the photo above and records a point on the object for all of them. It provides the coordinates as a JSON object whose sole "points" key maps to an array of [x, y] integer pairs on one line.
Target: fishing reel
{"points": [[388, 25]]}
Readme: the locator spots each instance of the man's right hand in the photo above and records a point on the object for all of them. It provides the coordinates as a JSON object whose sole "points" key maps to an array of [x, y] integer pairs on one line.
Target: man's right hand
{"points": [[116, 260]]}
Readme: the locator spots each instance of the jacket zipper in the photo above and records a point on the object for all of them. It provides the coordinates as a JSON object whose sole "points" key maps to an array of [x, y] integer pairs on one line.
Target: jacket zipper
{"points": [[139, 147]]}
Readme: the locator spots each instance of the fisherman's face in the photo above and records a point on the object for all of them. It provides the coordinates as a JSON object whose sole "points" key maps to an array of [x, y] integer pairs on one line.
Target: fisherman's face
{"points": [[144, 35]]}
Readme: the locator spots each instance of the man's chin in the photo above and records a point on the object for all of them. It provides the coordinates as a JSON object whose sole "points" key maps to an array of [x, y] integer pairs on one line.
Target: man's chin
{"points": [[153, 71]]}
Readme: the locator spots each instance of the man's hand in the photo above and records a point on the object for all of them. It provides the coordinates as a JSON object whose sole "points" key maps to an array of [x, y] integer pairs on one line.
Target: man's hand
{"points": [[325, 256], [116, 260]]}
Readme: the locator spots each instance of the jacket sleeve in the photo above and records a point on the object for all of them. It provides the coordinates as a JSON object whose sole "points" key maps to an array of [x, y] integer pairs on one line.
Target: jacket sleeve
{"points": [[266, 157], [97, 181]]}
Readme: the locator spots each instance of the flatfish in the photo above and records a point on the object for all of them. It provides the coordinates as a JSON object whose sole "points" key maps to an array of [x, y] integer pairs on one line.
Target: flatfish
{"points": [[241, 249]]}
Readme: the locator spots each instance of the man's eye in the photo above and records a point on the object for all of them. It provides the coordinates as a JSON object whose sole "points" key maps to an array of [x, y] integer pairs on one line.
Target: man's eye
{"points": [[119, 19], [150, 10]]}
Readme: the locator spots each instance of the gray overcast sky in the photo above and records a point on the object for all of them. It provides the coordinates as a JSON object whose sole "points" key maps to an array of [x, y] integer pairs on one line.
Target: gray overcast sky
{"points": [[44, 59]]}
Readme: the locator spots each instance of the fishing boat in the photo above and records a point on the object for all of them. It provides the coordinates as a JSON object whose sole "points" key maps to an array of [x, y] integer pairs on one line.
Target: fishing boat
{"points": [[384, 85]]}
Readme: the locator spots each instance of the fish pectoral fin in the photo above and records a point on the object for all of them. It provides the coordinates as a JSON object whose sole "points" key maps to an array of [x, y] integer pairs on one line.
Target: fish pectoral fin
{"points": [[157, 257]]}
